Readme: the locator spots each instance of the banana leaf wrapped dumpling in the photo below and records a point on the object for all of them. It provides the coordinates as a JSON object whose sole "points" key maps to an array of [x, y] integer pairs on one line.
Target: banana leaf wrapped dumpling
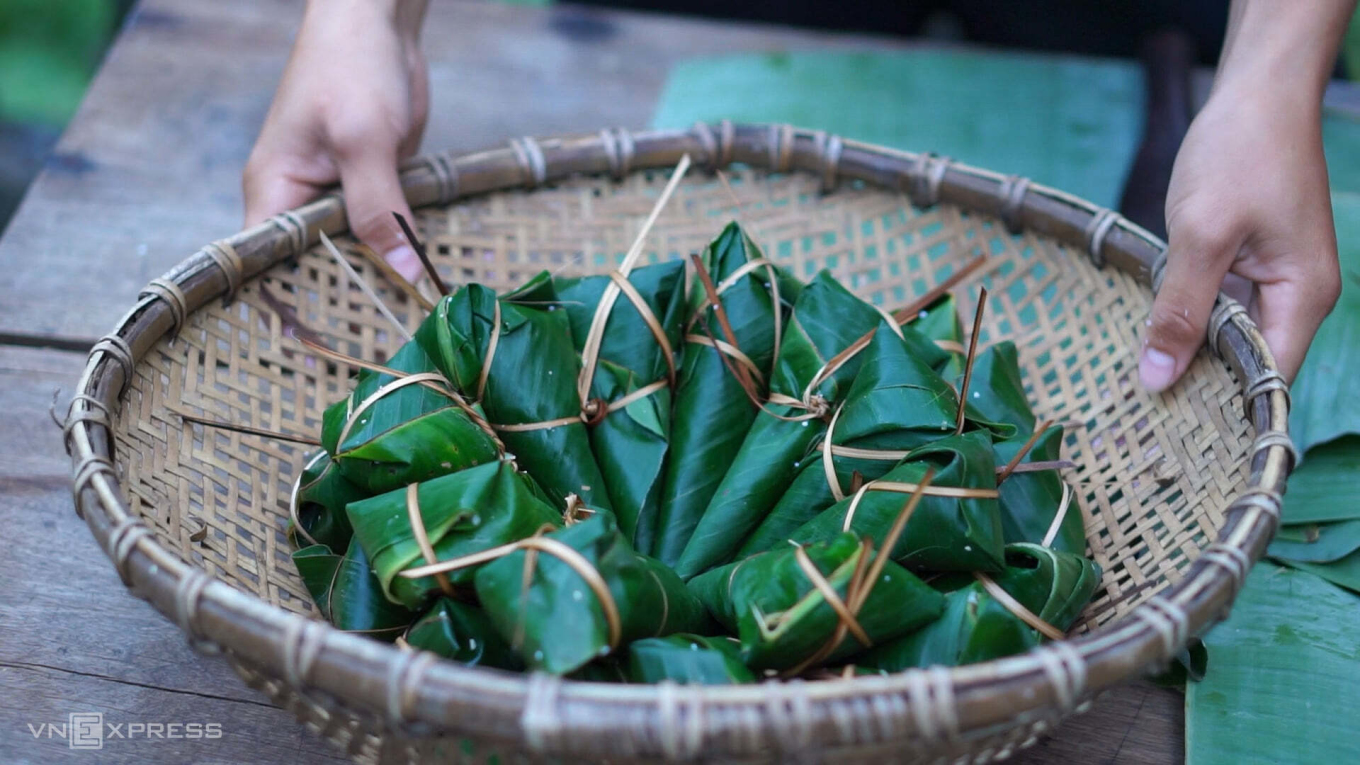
{"points": [[587, 593], [816, 364], [688, 660], [712, 411], [977, 626], [463, 513], [1031, 501], [896, 403], [347, 594], [318, 505], [391, 431], [635, 351], [783, 617], [514, 355], [958, 524], [463, 633]]}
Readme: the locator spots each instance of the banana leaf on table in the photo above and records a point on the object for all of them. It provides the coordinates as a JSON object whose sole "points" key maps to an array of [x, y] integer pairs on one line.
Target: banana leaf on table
{"points": [[784, 620], [896, 403], [975, 626], [382, 438], [556, 619], [946, 533], [530, 378], [827, 320], [347, 594], [630, 444], [463, 513], [319, 506], [711, 409], [463, 633], [688, 660]]}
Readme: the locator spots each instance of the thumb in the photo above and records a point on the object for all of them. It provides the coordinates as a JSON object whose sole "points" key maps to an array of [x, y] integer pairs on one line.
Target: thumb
{"points": [[372, 193], [1195, 267]]}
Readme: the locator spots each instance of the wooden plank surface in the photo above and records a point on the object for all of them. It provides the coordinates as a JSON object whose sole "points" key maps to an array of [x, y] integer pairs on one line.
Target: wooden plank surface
{"points": [[147, 172], [149, 169]]}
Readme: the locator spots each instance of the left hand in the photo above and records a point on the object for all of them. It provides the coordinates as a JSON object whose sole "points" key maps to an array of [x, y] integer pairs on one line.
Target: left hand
{"points": [[1248, 196]]}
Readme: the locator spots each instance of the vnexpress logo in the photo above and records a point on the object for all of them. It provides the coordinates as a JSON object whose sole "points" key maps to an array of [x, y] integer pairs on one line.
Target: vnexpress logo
{"points": [[86, 731]]}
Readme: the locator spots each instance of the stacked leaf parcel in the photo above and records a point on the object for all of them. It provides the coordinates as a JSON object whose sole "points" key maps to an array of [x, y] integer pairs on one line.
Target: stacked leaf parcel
{"points": [[620, 478]]}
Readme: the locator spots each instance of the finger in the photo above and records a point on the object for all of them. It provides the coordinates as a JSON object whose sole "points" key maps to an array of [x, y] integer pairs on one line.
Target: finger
{"points": [[372, 194], [269, 192], [1195, 267], [1289, 314]]}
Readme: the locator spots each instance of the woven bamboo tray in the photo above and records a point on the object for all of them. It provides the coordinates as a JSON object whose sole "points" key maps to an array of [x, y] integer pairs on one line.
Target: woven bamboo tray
{"points": [[1180, 493]]}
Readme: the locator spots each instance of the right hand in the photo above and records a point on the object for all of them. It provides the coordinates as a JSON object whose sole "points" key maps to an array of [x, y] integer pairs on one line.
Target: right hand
{"points": [[350, 106]]}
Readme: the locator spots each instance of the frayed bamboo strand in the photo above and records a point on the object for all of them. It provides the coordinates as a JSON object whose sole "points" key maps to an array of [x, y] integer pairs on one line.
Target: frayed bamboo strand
{"points": [[972, 356], [1019, 455], [364, 287], [421, 253], [246, 429]]}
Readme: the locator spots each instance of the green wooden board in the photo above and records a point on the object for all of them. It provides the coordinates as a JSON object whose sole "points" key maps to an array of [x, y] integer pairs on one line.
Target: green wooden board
{"points": [[1284, 676], [1069, 122]]}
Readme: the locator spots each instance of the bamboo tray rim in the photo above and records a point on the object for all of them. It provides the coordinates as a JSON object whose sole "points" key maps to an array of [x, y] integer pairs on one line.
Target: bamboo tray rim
{"points": [[418, 695]]}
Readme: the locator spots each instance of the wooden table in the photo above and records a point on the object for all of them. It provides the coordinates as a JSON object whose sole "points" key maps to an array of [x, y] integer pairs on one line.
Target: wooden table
{"points": [[150, 169]]}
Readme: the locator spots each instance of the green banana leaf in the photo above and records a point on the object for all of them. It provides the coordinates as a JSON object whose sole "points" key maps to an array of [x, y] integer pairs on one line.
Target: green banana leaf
{"points": [[321, 498], [783, 620], [531, 378], [1323, 488], [1342, 572], [464, 513], [827, 319], [1316, 542], [630, 444], [1055, 586], [1284, 683], [688, 660], [347, 594], [609, 669], [996, 392], [1029, 501], [945, 533], [557, 624], [939, 321], [463, 633], [410, 434], [711, 411], [896, 403]]}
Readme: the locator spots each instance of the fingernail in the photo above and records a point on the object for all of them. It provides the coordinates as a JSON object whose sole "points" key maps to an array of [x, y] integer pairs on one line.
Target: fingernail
{"points": [[1156, 370], [405, 260]]}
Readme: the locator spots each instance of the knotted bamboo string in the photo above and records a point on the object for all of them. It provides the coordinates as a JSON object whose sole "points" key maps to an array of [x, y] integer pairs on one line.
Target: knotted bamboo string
{"points": [[538, 543], [1058, 517], [418, 378], [422, 538], [1016, 607], [293, 499], [861, 583], [903, 487], [590, 352]]}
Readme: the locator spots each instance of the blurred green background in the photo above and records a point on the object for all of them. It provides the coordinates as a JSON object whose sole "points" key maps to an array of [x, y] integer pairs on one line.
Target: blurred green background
{"points": [[49, 50]]}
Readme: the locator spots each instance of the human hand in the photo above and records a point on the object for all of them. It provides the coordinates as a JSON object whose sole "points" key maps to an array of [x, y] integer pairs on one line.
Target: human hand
{"points": [[350, 106], [1248, 197]]}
